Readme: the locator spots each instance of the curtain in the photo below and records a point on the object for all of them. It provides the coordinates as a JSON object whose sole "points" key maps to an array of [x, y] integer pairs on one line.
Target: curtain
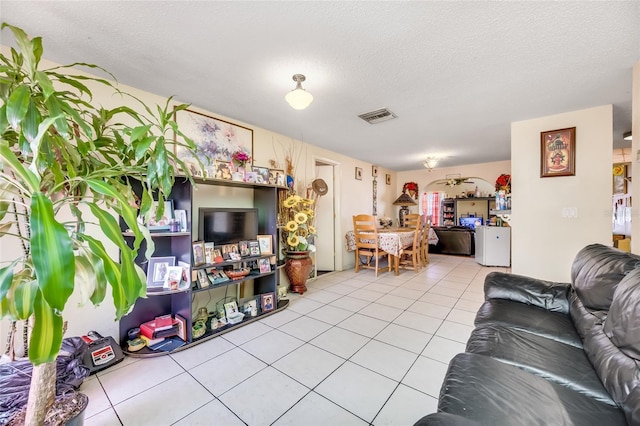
{"points": [[431, 205]]}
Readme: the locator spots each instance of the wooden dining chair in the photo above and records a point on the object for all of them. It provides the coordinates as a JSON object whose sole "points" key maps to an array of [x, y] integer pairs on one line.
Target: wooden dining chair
{"points": [[366, 236], [411, 257], [424, 245]]}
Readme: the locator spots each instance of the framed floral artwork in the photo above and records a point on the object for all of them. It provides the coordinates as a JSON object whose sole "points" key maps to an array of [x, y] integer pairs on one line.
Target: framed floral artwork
{"points": [[558, 152], [215, 139]]}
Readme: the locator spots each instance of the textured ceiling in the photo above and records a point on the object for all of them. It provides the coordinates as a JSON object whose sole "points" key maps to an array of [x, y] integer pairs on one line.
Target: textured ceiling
{"points": [[456, 73]]}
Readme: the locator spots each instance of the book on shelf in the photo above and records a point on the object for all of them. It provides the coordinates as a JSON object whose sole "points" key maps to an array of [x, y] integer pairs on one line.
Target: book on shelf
{"points": [[151, 342], [150, 330], [168, 344]]}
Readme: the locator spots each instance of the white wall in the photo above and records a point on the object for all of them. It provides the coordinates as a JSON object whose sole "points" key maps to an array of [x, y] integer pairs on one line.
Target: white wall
{"points": [[543, 242]]}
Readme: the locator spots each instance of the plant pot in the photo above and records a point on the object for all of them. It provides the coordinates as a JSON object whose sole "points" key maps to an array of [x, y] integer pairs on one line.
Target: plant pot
{"points": [[297, 266], [67, 410]]}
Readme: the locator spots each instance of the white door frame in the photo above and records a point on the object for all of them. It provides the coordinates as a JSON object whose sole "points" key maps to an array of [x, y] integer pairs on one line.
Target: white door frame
{"points": [[337, 228]]}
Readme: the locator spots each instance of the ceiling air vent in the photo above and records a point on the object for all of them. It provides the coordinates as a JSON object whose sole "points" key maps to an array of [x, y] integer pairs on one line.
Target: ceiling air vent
{"points": [[378, 116]]}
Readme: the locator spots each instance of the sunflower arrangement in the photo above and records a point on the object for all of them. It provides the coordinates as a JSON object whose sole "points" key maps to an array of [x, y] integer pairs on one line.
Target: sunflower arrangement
{"points": [[297, 216]]}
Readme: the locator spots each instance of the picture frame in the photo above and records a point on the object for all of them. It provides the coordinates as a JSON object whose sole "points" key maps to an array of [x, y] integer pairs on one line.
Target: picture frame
{"points": [[198, 253], [208, 252], [387, 179], [250, 177], [173, 278], [558, 152], [266, 244], [215, 139], [265, 266], [267, 302], [186, 273], [243, 248], [223, 170], [620, 171], [230, 308], [181, 217], [217, 256], [374, 171], [164, 222], [203, 279], [254, 248], [262, 174], [157, 270], [359, 173], [250, 308], [277, 177]]}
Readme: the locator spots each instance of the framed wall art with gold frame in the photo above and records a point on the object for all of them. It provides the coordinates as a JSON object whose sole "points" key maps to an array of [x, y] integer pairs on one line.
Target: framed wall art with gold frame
{"points": [[558, 152]]}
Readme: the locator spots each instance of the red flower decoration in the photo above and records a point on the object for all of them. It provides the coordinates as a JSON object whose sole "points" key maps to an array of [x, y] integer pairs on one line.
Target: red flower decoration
{"points": [[503, 182], [412, 187]]}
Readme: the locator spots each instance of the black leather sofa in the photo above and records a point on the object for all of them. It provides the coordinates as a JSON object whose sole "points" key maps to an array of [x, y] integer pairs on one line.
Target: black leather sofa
{"points": [[546, 353]]}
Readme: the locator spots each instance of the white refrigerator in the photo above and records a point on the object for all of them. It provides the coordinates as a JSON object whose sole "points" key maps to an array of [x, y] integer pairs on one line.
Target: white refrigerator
{"points": [[493, 245]]}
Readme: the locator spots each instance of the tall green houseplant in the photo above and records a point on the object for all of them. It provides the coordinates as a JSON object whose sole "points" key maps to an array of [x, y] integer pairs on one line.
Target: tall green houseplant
{"points": [[62, 157]]}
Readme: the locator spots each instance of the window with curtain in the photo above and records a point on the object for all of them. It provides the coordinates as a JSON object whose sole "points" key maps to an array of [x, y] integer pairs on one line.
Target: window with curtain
{"points": [[431, 205]]}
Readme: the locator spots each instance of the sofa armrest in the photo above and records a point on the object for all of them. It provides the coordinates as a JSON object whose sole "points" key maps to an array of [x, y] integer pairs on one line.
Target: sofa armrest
{"points": [[445, 419], [549, 295]]}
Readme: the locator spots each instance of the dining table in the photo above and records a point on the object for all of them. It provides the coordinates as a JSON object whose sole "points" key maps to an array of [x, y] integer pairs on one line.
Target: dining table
{"points": [[392, 241]]}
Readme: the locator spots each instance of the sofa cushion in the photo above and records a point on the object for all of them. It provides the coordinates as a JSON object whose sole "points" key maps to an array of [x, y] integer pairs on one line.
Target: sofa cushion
{"points": [[597, 270], [622, 325], [494, 393], [531, 319], [560, 363]]}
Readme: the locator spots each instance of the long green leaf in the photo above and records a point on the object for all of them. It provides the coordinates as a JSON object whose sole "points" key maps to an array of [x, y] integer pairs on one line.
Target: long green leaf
{"points": [[25, 47], [17, 106], [24, 175], [24, 295], [46, 337], [6, 278], [100, 290], [123, 208], [45, 83], [52, 252], [85, 280]]}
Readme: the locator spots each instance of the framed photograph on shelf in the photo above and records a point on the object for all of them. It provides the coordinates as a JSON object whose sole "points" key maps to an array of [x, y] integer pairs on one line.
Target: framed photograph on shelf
{"points": [[277, 177], [215, 139], [267, 302], [217, 256], [254, 248], [250, 308], [243, 248], [163, 222], [157, 270], [558, 152], [262, 174], [359, 173], [223, 170], [173, 278], [208, 252], [230, 308], [181, 217], [266, 244], [198, 253], [203, 279], [265, 266]]}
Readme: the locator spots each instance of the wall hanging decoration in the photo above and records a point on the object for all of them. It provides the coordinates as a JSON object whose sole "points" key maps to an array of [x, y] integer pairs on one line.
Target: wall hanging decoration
{"points": [[620, 178], [375, 197], [359, 173], [388, 179], [215, 139], [374, 171], [411, 188], [558, 152]]}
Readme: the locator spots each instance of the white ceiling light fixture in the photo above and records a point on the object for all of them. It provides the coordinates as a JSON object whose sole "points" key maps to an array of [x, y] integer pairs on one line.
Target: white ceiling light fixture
{"points": [[299, 98], [430, 163], [627, 136]]}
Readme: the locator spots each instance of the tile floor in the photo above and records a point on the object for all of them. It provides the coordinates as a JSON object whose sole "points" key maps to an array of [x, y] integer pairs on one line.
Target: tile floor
{"points": [[356, 349]]}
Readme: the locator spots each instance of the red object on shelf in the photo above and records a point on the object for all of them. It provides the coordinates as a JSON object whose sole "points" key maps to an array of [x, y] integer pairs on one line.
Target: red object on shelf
{"points": [[150, 330]]}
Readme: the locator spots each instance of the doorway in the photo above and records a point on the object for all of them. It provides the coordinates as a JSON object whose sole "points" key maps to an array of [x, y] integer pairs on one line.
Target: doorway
{"points": [[325, 257]]}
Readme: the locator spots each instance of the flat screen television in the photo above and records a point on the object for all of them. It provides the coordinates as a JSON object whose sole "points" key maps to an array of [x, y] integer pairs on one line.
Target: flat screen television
{"points": [[471, 222], [227, 226]]}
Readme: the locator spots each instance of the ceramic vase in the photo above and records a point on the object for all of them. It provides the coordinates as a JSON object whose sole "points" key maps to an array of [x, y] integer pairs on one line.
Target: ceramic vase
{"points": [[297, 266]]}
